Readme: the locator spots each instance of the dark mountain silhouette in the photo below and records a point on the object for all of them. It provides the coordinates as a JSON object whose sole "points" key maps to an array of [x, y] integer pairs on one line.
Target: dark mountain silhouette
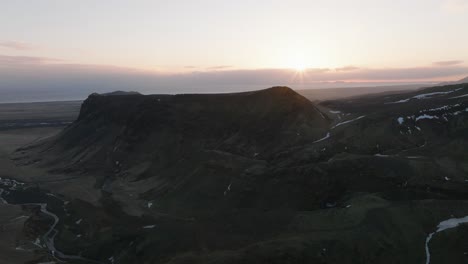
{"points": [[115, 93], [250, 124]]}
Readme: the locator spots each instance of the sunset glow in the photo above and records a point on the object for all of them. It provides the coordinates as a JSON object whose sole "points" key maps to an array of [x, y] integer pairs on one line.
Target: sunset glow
{"points": [[233, 44]]}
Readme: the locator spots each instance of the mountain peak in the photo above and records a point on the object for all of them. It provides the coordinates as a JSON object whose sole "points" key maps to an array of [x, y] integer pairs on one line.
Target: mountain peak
{"points": [[117, 93], [282, 89], [464, 80]]}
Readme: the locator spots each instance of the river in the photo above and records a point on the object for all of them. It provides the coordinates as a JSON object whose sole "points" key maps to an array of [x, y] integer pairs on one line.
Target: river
{"points": [[18, 193]]}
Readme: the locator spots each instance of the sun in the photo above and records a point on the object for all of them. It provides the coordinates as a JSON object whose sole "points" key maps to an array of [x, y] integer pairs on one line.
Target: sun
{"points": [[300, 67], [297, 64], [296, 61]]}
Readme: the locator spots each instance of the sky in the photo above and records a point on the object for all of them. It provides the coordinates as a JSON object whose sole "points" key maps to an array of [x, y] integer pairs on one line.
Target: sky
{"points": [[213, 45]]}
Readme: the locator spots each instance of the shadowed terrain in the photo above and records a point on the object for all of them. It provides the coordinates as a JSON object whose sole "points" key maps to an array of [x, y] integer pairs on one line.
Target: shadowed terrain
{"points": [[258, 177]]}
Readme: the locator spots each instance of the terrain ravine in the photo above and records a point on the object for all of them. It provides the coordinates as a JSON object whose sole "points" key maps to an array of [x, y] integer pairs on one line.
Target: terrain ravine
{"points": [[13, 192]]}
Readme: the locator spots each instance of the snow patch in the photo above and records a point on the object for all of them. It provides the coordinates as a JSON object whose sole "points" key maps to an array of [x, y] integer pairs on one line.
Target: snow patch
{"points": [[461, 96], [444, 225], [425, 116], [228, 189], [322, 139], [445, 107], [381, 155], [424, 96], [348, 121]]}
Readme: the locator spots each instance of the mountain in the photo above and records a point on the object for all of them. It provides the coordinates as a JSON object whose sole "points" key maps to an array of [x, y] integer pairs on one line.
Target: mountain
{"points": [[464, 80], [250, 124], [260, 177], [116, 93], [340, 93]]}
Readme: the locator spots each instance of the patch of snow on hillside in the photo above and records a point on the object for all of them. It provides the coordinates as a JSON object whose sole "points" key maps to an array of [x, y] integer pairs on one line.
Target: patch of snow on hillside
{"points": [[401, 101], [461, 96], [348, 121], [444, 116], [421, 117], [322, 139], [228, 189], [424, 96], [445, 107], [451, 223], [381, 155]]}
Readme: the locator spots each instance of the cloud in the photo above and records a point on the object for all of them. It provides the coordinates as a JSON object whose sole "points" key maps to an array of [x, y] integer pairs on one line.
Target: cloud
{"points": [[347, 68], [220, 67], [311, 76], [21, 60], [403, 74], [48, 76], [16, 45], [448, 63]]}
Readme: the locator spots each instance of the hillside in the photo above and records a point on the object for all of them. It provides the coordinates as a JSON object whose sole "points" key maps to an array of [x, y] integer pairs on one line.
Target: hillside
{"points": [[332, 93], [260, 177], [464, 80], [252, 125]]}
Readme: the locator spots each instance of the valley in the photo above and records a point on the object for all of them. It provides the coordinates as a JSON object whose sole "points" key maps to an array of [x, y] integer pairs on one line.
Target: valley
{"points": [[195, 179]]}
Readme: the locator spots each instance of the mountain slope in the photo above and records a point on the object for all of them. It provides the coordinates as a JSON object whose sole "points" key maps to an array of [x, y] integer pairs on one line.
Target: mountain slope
{"points": [[247, 124], [464, 80], [426, 130], [184, 149], [262, 177]]}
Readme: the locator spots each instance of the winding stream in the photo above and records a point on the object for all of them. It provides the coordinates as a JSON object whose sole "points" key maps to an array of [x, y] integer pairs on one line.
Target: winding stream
{"points": [[8, 186]]}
